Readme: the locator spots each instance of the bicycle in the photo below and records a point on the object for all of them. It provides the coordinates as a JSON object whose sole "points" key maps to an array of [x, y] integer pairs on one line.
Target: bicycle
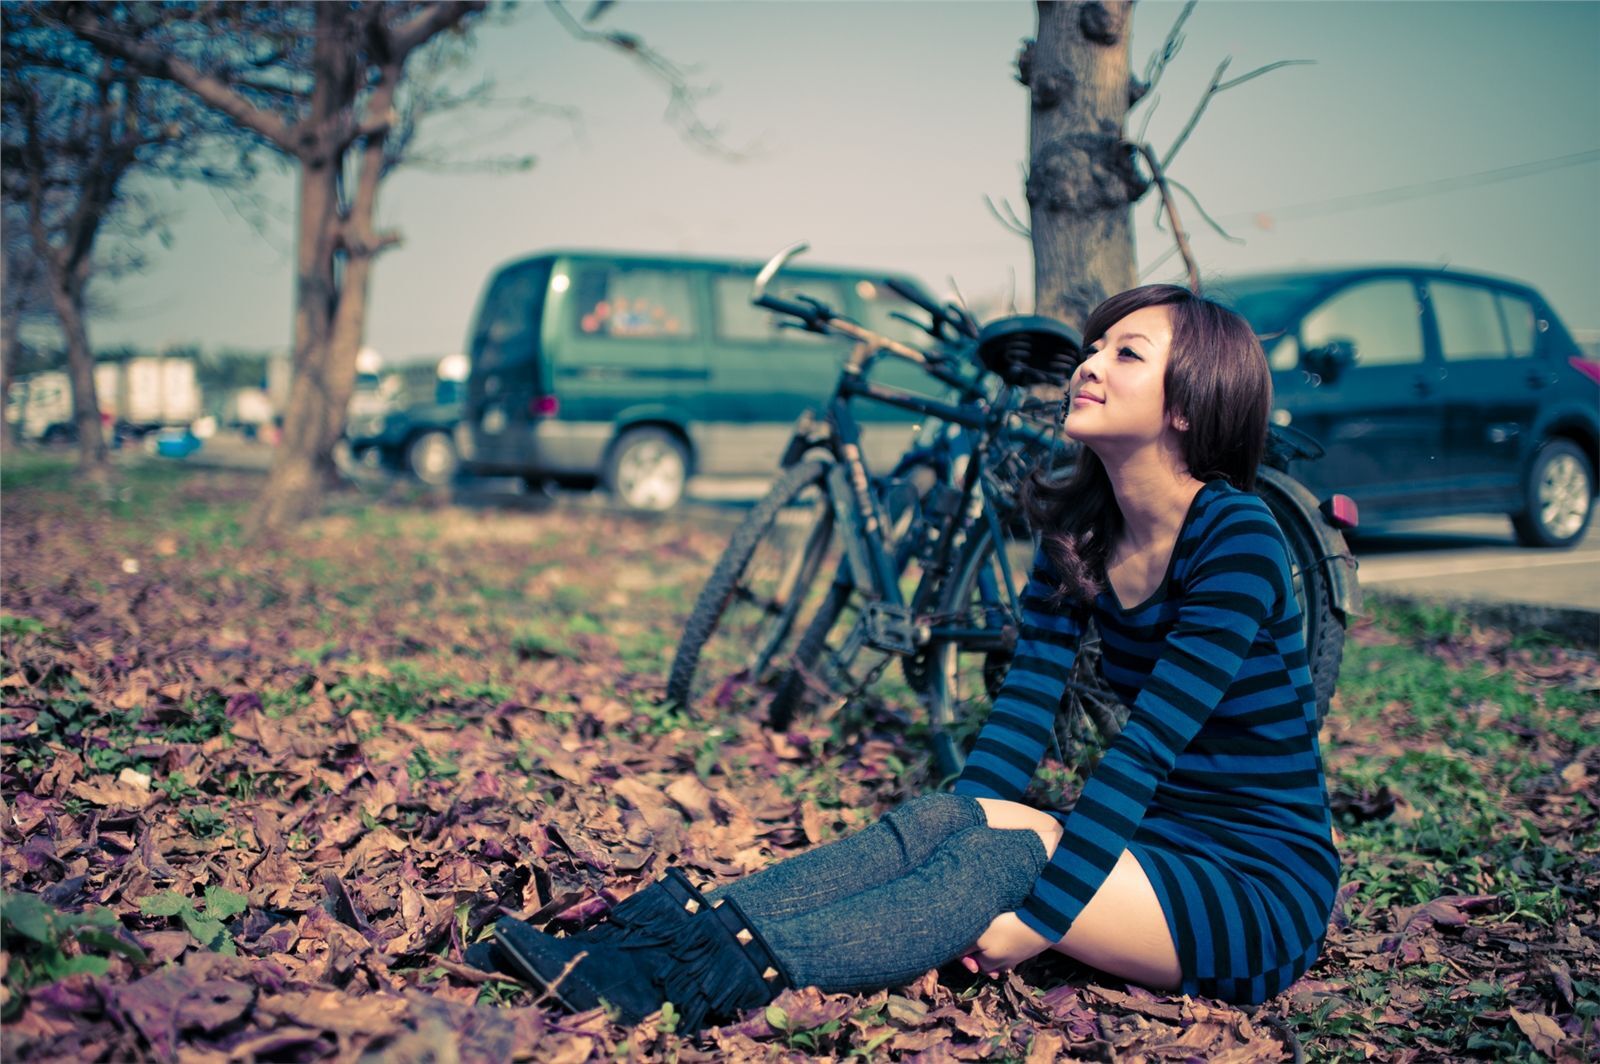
{"points": [[751, 604], [954, 636]]}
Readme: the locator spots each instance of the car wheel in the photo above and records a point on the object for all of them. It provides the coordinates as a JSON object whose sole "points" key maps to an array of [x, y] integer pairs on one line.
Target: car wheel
{"points": [[1558, 497], [431, 458], [647, 469]]}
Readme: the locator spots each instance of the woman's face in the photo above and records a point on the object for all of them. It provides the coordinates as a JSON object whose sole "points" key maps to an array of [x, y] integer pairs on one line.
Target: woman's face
{"points": [[1118, 393]]}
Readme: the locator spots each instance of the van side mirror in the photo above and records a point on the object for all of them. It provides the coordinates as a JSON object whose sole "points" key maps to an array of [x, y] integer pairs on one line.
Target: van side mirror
{"points": [[1331, 359]]}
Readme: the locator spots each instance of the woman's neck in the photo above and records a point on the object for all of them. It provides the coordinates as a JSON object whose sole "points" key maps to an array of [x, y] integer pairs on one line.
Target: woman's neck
{"points": [[1153, 492]]}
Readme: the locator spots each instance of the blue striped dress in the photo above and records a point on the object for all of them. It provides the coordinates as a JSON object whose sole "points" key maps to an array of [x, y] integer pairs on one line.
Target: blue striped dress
{"points": [[1216, 784]]}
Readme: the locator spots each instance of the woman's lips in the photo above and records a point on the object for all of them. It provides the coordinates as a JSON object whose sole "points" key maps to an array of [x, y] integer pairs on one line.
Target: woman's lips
{"points": [[1076, 399]]}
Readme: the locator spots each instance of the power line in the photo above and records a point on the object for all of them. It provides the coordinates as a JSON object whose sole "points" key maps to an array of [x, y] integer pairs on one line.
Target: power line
{"points": [[1339, 204]]}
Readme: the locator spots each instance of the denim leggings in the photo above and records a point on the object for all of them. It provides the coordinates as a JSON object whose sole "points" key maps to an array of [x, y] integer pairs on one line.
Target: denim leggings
{"points": [[880, 908]]}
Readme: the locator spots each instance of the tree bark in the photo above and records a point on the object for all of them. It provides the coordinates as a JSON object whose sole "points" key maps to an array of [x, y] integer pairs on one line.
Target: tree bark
{"points": [[10, 356], [1082, 179], [67, 297], [302, 467]]}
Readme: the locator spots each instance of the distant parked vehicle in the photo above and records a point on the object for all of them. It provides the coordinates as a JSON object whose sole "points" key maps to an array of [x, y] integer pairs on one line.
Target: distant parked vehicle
{"points": [[1433, 392], [147, 394], [418, 440], [39, 408], [636, 371]]}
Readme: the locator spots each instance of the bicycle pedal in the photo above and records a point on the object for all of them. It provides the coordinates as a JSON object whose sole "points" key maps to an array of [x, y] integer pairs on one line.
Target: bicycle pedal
{"points": [[890, 628]]}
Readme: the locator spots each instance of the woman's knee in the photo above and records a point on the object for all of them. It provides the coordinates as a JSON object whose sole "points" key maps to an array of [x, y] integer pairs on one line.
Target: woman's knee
{"points": [[1011, 815], [937, 814]]}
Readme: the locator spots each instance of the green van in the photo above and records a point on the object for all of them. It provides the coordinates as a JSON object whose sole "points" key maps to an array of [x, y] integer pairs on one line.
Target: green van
{"points": [[636, 371]]}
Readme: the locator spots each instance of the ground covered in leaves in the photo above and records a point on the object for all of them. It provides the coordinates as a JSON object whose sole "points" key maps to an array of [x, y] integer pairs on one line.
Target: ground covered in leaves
{"points": [[257, 801]]}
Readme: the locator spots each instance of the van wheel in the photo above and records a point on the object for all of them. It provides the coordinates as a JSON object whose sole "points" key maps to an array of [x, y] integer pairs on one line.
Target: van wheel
{"points": [[647, 469], [1558, 497], [431, 458]]}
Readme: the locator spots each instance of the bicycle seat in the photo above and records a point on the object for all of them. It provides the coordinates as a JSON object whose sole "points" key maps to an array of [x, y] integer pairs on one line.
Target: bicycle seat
{"points": [[1029, 349]]}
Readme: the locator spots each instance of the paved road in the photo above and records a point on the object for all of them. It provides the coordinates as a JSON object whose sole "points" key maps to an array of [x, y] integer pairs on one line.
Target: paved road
{"points": [[1478, 558]]}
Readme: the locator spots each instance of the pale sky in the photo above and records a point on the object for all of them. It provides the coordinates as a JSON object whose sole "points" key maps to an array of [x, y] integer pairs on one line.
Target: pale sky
{"points": [[877, 129]]}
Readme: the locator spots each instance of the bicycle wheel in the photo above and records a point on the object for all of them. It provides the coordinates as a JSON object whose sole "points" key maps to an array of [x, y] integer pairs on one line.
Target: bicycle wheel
{"points": [[831, 659], [734, 641], [965, 675], [1323, 627]]}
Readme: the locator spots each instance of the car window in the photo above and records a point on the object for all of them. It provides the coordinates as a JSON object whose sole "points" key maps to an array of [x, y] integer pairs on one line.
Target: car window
{"points": [[1285, 354], [633, 303], [880, 303], [1522, 324], [1381, 318], [1468, 320], [508, 324], [740, 320]]}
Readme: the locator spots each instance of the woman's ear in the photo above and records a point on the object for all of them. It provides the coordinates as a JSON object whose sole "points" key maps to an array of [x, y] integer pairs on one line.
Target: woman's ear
{"points": [[1179, 422]]}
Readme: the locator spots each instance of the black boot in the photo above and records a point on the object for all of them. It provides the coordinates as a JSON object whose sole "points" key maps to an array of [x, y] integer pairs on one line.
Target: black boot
{"points": [[711, 967], [657, 910]]}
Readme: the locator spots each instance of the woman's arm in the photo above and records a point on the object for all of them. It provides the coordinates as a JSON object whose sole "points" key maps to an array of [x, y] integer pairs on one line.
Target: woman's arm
{"points": [[1240, 575], [1020, 725]]}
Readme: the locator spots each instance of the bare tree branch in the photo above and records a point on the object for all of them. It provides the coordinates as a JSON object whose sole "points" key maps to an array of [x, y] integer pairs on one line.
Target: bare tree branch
{"points": [[81, 19], [427, 24], [1168, 50], [1009, 219], [1178, 236], [1218, 85], [683, 98], [1229, 237]]}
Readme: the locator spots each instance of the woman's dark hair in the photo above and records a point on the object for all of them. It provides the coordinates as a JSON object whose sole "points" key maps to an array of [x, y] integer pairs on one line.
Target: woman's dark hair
{"points": [[1217, 380]]}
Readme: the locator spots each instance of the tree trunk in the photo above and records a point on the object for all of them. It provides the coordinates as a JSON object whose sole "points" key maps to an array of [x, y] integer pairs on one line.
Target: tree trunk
{"points": [[93, 460], [1082, 179], [303, 465], [10, 356]]}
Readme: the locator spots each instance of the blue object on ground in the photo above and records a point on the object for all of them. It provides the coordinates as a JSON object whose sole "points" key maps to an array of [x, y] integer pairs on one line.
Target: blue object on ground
{"points": [[180, 444]]}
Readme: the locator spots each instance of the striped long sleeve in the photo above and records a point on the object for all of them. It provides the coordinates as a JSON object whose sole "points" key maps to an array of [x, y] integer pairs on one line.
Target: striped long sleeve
{"points": [[1014, 738], [1235, 582]]}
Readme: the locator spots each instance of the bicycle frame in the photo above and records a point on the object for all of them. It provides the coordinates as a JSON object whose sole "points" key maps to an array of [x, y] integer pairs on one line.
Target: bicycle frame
{"points": [[892, 624]]}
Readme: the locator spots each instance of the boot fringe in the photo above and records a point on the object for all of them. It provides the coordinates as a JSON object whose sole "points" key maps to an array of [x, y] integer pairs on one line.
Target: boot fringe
{"points": [[714, 976], [653, 916]]}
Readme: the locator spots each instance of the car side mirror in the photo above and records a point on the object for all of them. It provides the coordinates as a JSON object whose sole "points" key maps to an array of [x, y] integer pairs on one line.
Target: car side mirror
{"points": [[1330, 360]]}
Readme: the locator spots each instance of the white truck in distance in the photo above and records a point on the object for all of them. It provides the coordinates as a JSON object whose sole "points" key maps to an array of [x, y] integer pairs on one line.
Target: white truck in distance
{"points": [[139, 395]]}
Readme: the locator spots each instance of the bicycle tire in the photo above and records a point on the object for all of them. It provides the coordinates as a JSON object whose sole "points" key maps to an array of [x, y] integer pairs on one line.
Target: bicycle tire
{"points": [[820, 667], [802, 677], [961, 686], [1323, 627], [693, 678]]}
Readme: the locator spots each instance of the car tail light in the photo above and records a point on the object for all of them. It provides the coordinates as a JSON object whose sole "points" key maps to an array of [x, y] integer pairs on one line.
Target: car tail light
{"points": [[1586, 366], [1340, 511], [544, 406]]}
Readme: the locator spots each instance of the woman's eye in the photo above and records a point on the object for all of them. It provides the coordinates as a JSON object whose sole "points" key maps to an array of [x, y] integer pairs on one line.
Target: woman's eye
{"points": [[1128, 352]]}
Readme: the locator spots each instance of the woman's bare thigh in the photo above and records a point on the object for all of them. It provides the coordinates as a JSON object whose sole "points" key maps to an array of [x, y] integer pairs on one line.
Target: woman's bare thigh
{"points": [[1122, 931]]}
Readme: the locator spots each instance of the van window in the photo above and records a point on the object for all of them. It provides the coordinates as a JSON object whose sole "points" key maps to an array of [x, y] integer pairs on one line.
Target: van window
{"points": [[881, 303], [508, 324], [1382, 319], [1469, 322], [633, 303], [1522, 325], [740, 320], [1284, 354]]}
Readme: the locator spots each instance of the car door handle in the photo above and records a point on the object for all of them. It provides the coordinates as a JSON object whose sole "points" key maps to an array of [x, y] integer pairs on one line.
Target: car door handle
{"points": [[1539, 380], [1422, 386]]}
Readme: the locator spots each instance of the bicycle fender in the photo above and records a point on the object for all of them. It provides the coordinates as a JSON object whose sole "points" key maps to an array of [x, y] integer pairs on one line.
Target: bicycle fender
{"points": [[1337, 561]]}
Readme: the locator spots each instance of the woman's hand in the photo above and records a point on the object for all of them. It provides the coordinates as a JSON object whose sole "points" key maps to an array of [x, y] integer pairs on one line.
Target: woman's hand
{"points": [[1006, 943]]}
